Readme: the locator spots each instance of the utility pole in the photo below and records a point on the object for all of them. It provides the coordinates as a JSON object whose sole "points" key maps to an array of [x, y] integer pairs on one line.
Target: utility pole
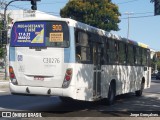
{"points": [[128, 29], [5, 9], [34, 7], [5, 29]]}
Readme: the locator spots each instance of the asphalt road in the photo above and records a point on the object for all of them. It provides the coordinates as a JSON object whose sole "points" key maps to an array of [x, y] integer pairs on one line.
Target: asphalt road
{"points": [[53, 107]]}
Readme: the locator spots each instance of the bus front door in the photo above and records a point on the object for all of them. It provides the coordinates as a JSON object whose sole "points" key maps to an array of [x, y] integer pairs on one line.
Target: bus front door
{"points": [[149, 69], [97, 53]]}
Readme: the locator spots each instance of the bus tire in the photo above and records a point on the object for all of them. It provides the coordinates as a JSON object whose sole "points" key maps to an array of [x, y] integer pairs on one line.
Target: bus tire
{"points": [[111, 94], [139, 92], [65, 99]]}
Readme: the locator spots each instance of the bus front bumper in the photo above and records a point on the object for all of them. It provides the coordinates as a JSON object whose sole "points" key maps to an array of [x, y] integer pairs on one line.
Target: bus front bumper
{"points": [[30, 90]]}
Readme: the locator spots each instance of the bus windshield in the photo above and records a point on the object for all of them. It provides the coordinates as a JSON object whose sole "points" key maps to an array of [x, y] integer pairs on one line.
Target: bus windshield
{"points": [[40, 34]]}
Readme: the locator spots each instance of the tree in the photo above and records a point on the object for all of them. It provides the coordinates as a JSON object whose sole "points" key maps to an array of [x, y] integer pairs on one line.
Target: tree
{"points": [[0, 25], [1, 52], [1, 48], [98, 13], [158, 65]]}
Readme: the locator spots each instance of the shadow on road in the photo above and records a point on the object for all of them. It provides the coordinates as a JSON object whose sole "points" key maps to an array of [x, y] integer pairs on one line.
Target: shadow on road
{"points": [[52, 106], [42, 103]]}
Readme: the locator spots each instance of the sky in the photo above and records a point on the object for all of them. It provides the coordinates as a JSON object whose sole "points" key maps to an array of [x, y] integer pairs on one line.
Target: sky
{"points": [[143, 25]]}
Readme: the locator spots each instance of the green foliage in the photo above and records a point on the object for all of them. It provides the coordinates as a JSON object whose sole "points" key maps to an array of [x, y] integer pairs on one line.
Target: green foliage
{"points": [[1, 52], [98, 13], [155, 62], [1, 49], [158, 65], [0, 25]]}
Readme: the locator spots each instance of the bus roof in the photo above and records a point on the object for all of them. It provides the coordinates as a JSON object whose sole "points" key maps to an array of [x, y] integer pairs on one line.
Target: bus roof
{"points": [[86, 27]]}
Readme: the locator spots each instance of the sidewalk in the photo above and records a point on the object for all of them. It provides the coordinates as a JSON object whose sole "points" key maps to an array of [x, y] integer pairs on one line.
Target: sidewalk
{"points": [[4, 81], [4, 84]]}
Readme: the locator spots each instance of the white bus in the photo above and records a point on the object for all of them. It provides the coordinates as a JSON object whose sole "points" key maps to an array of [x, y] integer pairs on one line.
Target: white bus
{"points": [[65, 58]]}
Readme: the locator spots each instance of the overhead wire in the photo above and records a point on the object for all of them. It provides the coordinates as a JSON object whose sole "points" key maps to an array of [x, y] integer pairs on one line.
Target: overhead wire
{"points": [[143, 16], [139, 16], [127, 2], [57, 14]]}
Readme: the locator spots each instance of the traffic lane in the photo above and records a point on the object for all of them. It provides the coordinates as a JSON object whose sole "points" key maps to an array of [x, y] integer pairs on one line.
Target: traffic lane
{"points": [[41, 103], [17, 102], [154, 89], [52, 106], [129, 102]]}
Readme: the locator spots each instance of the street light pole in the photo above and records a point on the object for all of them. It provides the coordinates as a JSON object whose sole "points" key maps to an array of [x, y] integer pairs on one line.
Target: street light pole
{"points": [[5, 29], [33, 2], [5, 9], [128, 30]]}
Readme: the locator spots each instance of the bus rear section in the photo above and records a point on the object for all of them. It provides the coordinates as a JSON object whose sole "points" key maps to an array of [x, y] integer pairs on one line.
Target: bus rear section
{"points": [[39, 55]]}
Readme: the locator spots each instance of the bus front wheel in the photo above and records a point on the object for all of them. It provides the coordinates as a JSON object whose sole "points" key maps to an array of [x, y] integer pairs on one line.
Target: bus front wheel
{"points": [[111, 94], [139, 92]]}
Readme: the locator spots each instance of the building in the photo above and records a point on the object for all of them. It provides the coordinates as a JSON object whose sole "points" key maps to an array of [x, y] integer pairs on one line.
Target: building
{"points": [[18, 14], [158, 54]]}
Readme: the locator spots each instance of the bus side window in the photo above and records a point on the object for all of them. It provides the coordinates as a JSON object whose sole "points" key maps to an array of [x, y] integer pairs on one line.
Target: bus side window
{"points": [[135, 55], [107, 49], [141, 60], [138, 55], [149, 58], [83, 40], [131, 55], [144, 57], [82, 47], [116, 52], [122, 53], [112, 52], [126, 53], [78, 54]]}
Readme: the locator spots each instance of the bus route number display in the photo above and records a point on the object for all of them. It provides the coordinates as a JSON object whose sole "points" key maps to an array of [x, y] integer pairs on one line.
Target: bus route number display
{"points": [[57, 34], [57, 27], [56, 37]]}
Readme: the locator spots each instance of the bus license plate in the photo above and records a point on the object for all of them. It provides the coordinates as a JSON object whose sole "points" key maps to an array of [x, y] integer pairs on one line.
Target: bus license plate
{"points": [[38, 78]]}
